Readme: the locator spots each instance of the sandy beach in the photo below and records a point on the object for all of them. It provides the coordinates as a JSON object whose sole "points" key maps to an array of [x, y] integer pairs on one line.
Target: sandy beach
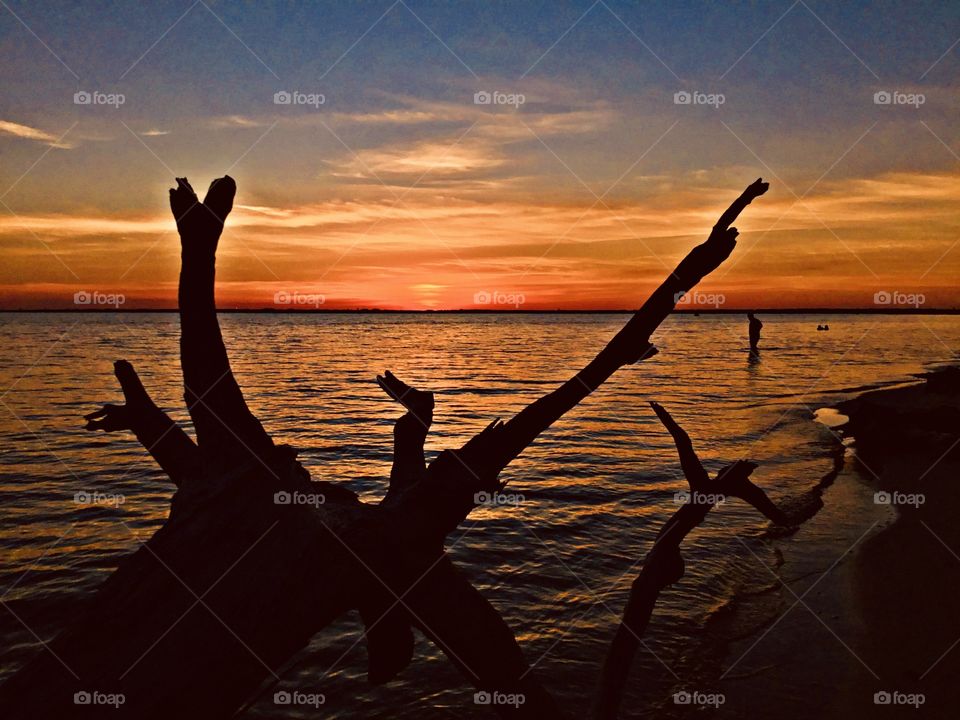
{"points": [[859, 617], [906, 578]]}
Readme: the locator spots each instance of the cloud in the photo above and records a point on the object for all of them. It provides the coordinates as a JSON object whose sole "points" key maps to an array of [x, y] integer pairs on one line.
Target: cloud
{"points": [[448, 161], [237, 121], [154, 133], [675, 207], [398, 116], [484, 151], [434, 249], [29, 133]]}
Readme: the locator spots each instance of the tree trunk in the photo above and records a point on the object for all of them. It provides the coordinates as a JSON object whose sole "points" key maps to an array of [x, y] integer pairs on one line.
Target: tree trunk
{"points": [[255, 558]]}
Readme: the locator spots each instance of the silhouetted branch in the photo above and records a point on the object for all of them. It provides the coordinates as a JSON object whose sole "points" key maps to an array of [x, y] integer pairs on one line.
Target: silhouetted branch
{"points": [[632, 343], [226, 429], [475, 638], [733, 481], [409, 433], [389, 640], [663, 564], [166, 441], [256, 559], [693, 470], [455, 477]]}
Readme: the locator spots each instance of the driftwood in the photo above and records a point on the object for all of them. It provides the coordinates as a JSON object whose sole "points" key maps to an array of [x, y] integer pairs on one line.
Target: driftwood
{"points": [[255, 558], [664, 565]]}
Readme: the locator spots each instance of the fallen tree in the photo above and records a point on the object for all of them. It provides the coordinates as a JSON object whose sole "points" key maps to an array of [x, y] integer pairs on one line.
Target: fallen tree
{"points": [[255, 558]]}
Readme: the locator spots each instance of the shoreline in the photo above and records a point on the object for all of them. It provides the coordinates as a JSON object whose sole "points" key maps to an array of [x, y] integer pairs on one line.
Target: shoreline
{"points": [[786, 642], [864, 596], [907, 577], [770, 655]]}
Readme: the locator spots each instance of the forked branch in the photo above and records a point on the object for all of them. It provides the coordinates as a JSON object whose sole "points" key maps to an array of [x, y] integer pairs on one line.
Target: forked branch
{"points": [[664, 564], [225, 535], [166, 441]]}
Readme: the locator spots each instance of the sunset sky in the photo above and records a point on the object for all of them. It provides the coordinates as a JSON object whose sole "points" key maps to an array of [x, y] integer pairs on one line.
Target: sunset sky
{"points": [[401, 191]]}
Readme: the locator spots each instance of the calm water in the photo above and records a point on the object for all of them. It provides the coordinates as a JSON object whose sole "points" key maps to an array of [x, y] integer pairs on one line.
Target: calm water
{"points": [[596, 487]]}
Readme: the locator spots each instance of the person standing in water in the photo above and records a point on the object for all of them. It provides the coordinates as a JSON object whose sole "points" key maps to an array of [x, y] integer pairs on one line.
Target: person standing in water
{"points": [[755, 326]]}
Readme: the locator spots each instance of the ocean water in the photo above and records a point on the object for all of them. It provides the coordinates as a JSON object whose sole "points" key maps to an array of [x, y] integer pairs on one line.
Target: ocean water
{"points": [[594, 489]]}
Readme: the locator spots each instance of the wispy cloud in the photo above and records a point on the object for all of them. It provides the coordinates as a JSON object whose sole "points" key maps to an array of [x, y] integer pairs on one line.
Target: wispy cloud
{"points": [[31, 133], [238, 121], [411, 162]]}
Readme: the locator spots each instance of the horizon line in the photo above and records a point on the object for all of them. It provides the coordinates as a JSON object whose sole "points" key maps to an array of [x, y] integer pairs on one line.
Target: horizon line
{"points": [[506, 311]]}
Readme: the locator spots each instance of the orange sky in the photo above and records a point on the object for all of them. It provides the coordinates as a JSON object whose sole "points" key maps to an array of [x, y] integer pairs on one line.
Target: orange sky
{"points": [[836, 247], [400, 191]]}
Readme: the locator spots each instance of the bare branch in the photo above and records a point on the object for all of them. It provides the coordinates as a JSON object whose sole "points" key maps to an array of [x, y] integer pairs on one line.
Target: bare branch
{"points": [[409, 433], [664, 565], [454, 478], [693, 469], [166, 441], [227, 431]]}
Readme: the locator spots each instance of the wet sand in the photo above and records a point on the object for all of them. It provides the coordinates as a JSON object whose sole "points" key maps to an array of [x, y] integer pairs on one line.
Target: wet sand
{"points": [[792, 646], [863, 599]]}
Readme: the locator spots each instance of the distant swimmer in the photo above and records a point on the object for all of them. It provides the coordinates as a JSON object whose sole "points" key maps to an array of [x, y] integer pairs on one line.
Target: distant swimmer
{"points": [[823, 327], [755, 326]]}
